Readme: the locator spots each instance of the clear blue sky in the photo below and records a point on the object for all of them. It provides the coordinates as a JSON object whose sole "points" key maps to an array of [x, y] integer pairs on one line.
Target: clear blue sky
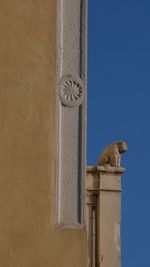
{"points": [[119, 108]]}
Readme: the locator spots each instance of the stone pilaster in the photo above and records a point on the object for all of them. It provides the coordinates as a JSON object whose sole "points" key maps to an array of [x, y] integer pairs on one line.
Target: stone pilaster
{"points": [[103, 185]]}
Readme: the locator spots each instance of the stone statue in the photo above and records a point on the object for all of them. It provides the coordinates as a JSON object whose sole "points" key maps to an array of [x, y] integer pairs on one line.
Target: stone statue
{"points": [[112, 154]]}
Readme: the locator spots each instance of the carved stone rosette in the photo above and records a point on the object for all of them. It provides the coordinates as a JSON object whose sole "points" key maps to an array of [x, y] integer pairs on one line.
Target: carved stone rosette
{"points": [[71, 91]]}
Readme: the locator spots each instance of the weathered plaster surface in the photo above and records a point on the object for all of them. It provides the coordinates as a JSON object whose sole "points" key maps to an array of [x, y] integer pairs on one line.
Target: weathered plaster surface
{"points": [[27, 141]]}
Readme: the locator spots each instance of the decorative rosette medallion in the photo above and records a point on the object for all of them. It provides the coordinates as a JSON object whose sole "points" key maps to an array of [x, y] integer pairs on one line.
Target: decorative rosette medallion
{"points": [[71, 91]]}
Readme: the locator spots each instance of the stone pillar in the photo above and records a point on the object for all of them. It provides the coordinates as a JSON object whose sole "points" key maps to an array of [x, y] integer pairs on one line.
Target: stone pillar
{"points": [[109, 217], [104, 184], [92, 185]]}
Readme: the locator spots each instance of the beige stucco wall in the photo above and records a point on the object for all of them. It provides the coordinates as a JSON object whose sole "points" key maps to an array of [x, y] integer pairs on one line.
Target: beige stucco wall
{"points": [[28, 236]]}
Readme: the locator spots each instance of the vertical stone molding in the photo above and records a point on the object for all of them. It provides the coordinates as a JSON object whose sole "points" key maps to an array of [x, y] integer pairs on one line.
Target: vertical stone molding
{"points": [[103, 215], [92, 191], [71, 111]]}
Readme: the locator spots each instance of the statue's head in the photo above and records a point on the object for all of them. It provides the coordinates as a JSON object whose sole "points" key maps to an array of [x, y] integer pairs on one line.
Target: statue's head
{"points": [[122, 146]]}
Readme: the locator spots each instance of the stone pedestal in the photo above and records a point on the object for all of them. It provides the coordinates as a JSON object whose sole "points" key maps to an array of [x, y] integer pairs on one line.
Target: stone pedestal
{"points": [[103, 218]]}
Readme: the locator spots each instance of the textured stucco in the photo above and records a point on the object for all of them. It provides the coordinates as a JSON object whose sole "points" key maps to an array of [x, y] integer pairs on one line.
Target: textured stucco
{"points": [[27, 141]]}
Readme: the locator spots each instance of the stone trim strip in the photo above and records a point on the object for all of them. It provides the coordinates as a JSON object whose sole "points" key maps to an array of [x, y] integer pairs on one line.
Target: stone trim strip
{"points": [[71, 112]]}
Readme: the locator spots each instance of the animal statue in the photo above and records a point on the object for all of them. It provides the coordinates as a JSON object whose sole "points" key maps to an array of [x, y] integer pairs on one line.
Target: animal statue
{"points": [[112, 154]]}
